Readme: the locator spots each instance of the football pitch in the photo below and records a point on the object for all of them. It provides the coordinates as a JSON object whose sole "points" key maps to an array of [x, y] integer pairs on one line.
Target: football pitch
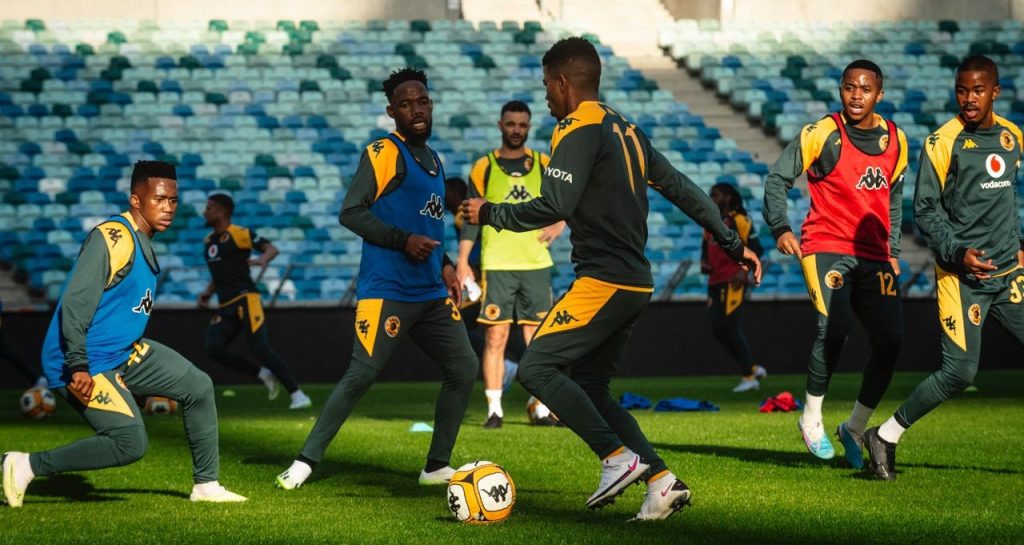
{"points": [[961, 476]]}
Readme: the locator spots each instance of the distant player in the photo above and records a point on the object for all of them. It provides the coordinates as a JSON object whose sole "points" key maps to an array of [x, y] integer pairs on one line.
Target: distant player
{"points": [[516, 266], [7, 352], [965, 206], [406, 285], [96, 358], [228, 249], [601, 166], [855, 162], [728, 283]]}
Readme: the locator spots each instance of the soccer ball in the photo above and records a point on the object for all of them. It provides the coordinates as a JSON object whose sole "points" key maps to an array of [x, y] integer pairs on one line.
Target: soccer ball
{"points": [[160, 405], [538, 414], [38, 403], [481, 493]]}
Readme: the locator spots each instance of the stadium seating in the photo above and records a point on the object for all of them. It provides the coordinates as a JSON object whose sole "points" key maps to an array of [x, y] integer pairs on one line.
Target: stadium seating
{"points": [[276, 113]]}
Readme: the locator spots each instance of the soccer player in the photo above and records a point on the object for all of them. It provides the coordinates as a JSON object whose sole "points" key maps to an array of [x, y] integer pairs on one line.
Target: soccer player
{"points": [[96, 358], [849, 248], [227, 251], [406, 284], [728, 283], [7, 352], [516, 266], [601, 166], [965, 206]]}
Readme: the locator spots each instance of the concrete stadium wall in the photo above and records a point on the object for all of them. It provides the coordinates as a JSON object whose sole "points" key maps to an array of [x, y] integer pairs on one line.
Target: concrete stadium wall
{"points": [[863, 10], [671, 339], [249, 10]]}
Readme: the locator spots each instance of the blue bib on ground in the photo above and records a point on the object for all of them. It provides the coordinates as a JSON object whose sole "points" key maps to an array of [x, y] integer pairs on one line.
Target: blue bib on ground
{"points": [[119, 321], [415, 206]]}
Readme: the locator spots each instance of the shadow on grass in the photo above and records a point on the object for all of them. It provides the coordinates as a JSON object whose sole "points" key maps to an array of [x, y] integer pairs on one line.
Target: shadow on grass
{"points": [[802, 459], [77, 488]]}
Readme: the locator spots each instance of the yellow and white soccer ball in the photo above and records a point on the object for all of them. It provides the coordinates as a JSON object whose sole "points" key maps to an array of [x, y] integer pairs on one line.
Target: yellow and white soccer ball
{"points": [[481, 493], [156, 405], [38, 403]]}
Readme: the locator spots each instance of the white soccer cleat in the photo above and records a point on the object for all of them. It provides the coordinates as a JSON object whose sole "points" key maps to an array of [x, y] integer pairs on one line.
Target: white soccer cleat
{"points": [[17, 474], [42, 382], [213, 492], [294, 476], [617, 472], [760, 373], [438, 476], [664, 497], [746, 385], [300, 400], [270, 381]]}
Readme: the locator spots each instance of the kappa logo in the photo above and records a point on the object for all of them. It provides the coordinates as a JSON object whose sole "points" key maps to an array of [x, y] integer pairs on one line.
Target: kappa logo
{"points": [[950, 323], [392, 325], [995, 165], [434, 207], [563, 317], [364, 327], [969, 144], [933, 139], [114, 234], [146, 304], [497, 493], [518, 193], [1006, 140], [974, 314], [103, 398], [558, 173], [873, 179], [453, 503], [810, 128], [566, 123], [377, 147]]}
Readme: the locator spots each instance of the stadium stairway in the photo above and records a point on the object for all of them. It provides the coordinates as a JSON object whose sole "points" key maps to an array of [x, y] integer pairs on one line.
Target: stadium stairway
{"points": [[519, 11]]}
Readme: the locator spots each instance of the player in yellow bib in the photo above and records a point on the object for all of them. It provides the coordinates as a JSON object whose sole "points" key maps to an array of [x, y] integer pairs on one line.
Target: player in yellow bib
{"points": [[516, 266]]}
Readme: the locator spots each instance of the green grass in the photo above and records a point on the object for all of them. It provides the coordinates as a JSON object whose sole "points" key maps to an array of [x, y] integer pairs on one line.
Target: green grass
{"points": [[961, 478]]}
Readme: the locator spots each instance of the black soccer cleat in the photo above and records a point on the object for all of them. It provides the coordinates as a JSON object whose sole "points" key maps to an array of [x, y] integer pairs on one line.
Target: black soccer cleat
{"points": [[493, 422], [882, 455]]}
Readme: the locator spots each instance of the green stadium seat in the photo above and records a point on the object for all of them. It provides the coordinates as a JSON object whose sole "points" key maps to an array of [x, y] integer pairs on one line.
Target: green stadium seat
{"points": [[35, 25], [309, 25], [419, 25], [287, 26], [217, 25], [116, 37]]}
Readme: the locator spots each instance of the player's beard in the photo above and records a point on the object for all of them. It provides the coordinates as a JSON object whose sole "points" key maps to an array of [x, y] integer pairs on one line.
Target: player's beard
{"points": [[507, 142]]}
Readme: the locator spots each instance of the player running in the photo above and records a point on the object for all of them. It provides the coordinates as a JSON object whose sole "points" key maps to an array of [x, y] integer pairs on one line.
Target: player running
{"points": [[849, 248], [227, 250], [601, 166], [965, 206], [406, 284], [96, 358], [728, 283], [516, 266]]}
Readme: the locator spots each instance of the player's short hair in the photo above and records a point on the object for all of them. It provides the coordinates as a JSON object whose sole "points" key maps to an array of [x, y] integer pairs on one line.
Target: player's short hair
{"points": [[864, 64], [224, 201], [516, 106], [454, 193], [144, 170], [577, 59], [979, 63], [734, 196], [401, 76]]}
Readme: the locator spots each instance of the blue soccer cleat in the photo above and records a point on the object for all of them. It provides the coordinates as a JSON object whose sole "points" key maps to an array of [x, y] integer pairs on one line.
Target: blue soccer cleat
{"points": [[853, 447], [822, 448]]}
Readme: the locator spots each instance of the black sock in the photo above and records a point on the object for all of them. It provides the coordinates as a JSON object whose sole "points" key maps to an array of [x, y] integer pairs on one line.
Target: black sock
{"points": [[306, 461], [434, 465]]}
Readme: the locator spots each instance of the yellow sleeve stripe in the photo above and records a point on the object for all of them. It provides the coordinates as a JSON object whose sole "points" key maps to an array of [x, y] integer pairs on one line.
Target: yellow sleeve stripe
{"points": [[478, 175], [939, 148], [901, 162], [743, 226], [812, 138], [588, 113], [120, 246], [241, 236], [383, 156]]}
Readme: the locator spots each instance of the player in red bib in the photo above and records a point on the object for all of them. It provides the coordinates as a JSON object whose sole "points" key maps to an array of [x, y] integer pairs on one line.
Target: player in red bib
{"points": [[849, 246], [728, 284]]}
